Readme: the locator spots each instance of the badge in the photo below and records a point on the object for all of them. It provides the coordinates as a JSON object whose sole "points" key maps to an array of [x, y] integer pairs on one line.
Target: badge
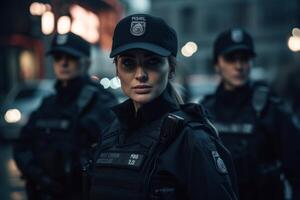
{"points": [[138, 26], [239, 129], [237, 35], [61, 39], [219, 163]]}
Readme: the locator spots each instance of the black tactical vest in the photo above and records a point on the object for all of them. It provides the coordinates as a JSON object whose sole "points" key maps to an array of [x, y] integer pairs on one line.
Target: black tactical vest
{"points": [[124, 171], [129, 171], [55, 143], [56, 140], [246, 138]]}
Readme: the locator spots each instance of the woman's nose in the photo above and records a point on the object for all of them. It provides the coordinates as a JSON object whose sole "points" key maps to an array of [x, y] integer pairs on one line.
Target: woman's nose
{"points": [[238, 64], [64, 61], [141, 74]]}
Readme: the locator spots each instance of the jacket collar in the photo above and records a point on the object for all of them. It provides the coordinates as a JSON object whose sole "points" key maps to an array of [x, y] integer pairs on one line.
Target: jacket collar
{"points": [[151, 111], [236, 97], [70, 92]]}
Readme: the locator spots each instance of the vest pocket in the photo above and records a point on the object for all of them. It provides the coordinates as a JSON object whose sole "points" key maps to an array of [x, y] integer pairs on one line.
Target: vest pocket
{"points": [[113, 193], [164, 187], [116, 183]]}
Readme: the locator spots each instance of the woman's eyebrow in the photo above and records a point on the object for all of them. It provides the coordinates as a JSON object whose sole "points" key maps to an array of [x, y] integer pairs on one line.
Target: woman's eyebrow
{"points": [[152, 56], [127, 55]]}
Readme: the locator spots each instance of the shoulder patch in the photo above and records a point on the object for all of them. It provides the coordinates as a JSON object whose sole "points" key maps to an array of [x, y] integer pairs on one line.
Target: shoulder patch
{"points": [[219, 163], [296, 121]]}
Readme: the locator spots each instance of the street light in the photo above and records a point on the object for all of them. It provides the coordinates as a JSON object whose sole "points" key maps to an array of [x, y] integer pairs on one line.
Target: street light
{"points": [[105, 82], [115, 83], [84, 23], [12, 115], [64, 24], [189, 49], [296, 32], [294, 43], [39, 9], [47, 22]]}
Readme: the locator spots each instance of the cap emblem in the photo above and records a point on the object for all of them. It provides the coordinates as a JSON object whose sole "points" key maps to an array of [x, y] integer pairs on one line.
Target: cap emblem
{"points": [[138, 26], [237, 35], [61, 39]]}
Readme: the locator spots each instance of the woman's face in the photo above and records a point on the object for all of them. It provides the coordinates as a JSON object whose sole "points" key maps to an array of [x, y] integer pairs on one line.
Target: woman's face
{"points": [[234, 69], [66, 67], [143, 75]]}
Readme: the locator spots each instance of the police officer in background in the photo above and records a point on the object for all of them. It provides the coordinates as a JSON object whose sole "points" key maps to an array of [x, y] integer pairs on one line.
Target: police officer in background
{"points": [[253, 123], [60, 132]]}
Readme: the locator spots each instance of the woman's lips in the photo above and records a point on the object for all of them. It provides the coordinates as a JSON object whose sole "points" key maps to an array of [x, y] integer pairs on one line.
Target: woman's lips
{"points": [[240, 77], [142, 89]]}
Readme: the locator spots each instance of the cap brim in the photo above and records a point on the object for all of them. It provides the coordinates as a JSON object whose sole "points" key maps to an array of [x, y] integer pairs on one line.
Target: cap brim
{"points": [[140, 45], [66, 50], [238, 48]]}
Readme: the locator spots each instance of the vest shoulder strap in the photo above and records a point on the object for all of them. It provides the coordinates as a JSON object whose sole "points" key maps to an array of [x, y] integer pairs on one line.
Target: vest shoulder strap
{"points": [[85, 97], [189, 115], [260, 98], [209, 100]]}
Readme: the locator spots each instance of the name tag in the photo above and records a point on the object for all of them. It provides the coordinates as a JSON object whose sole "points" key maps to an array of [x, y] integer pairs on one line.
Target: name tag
{"points": [[245, 128], [128, 160]]}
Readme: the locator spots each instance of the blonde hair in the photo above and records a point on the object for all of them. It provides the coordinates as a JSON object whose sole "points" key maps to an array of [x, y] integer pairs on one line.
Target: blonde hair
{"points": [[175, 94]]}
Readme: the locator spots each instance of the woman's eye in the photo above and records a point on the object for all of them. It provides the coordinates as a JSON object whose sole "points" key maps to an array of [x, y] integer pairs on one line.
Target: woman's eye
{"points": [[154, 62], [128, 63]]}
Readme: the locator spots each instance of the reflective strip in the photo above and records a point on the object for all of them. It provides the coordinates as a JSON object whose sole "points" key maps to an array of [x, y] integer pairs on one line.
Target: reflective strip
{"points": [[245, 128], [53, 124], [128, 160]]}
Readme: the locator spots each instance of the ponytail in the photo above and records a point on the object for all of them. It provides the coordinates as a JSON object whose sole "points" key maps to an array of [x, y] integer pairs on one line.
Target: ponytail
{"points": [[172, 90], [175, 94]]}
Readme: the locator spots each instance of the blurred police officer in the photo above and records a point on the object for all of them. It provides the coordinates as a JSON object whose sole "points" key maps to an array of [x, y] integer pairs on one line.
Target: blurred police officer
{"points": [[252, 122], [60, 132]]}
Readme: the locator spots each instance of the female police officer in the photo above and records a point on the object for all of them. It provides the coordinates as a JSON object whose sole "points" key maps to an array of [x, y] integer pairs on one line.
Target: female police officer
{"points": [[141, 156], [253, 123]]}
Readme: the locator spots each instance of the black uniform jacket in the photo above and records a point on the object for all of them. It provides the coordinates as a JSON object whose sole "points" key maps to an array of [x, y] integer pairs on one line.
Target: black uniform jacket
{"points": [[56, 137], [262, 143], [131, 163]]}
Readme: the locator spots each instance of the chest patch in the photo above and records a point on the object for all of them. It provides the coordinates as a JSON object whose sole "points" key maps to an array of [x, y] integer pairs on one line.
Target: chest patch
{"points": [[53, 124], [242, 128], [120, 159]]}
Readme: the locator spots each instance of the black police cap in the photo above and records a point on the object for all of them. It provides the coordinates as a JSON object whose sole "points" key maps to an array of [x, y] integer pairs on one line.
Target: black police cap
{"points": [[142, 31], [233, 40], [71, 44]]}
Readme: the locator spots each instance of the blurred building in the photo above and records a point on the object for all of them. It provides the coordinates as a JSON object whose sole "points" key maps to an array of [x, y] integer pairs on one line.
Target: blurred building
{"points": [[20, 48], [269, 21], [23, 40], [28, 26]]}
